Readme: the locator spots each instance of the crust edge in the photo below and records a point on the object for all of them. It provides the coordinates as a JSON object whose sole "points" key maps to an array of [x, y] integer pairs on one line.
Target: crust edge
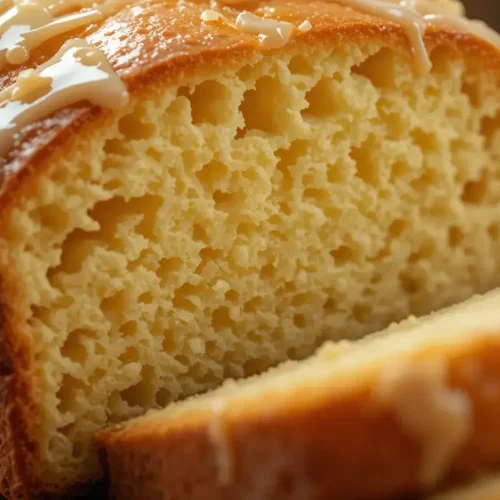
{"points": [[335, 441]]}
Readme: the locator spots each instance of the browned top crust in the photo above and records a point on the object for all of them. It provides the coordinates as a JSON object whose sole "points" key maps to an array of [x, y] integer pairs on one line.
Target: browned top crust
{"points": [[150, 38]]}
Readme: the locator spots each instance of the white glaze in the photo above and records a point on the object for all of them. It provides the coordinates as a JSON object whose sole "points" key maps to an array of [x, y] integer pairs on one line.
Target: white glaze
{"points": [[218, 436], [78, 72], [210, 16], [272, 34], [415, 15], [26, 27], [477, 28], [439, 417], [26, 24], [305, 26], [398, 12]]}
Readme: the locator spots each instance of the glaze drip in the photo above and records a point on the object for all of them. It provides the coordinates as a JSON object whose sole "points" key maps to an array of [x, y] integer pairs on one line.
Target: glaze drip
{"points": [[477, 28], [78, 72], [25, 25], [219, 438], [414, 16], [271, 34], [439, 417]]}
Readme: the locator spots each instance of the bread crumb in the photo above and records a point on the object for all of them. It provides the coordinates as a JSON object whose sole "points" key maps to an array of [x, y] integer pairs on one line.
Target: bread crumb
{"points": [[221, 286]]}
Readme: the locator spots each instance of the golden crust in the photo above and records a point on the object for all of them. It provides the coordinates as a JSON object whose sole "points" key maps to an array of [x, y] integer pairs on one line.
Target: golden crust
{"points": [[148, 44], [335, 446]]}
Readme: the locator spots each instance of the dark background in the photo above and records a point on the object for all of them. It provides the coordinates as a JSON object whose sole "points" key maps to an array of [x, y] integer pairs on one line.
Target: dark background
{"points": [[488, 10]]}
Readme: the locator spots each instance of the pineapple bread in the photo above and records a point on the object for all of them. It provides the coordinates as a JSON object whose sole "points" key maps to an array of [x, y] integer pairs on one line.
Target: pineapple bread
{"points": [[399, 413], [194, 192]]}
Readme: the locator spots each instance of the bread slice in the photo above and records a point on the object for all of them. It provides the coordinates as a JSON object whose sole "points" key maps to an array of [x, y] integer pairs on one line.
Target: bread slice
{"points": [[398, 413], [246, 206]]}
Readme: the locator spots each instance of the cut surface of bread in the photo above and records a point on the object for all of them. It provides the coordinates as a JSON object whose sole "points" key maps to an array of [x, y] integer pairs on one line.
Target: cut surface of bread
{"points": [[398, 413], [246, 206]]}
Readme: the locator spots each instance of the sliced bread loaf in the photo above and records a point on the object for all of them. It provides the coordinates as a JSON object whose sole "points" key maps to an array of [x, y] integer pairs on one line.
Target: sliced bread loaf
{"points": [[253, 199], [399, 413]]}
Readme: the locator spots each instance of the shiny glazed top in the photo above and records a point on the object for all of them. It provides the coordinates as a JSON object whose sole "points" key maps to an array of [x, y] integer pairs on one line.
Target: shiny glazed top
{"points": [[149, 37]]}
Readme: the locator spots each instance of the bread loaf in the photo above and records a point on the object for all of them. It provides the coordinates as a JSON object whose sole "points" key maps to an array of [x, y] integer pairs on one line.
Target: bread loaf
{"points": [[394, 415], [268, 186]]}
